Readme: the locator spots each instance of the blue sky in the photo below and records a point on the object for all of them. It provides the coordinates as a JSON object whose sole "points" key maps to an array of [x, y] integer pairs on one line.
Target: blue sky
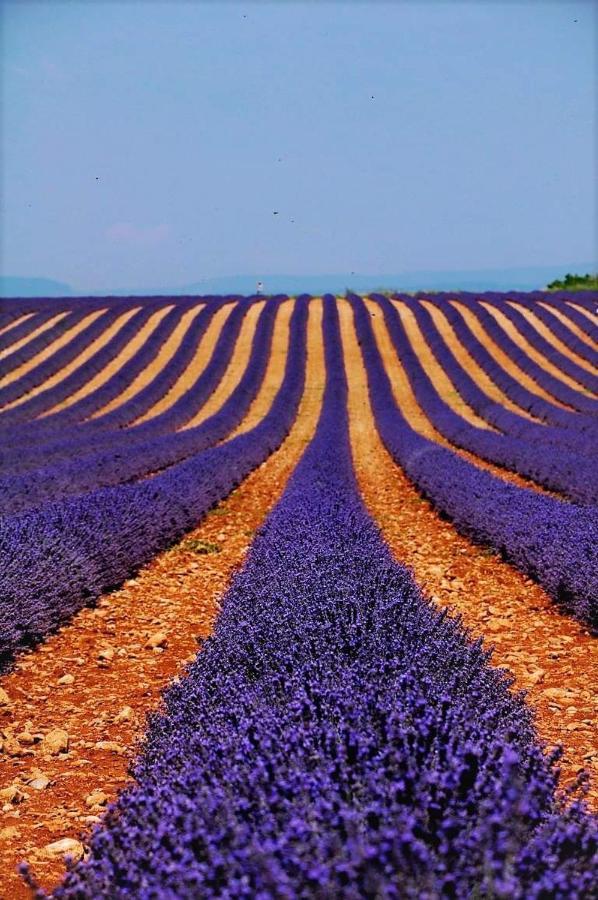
{"points": [[149, 143]]}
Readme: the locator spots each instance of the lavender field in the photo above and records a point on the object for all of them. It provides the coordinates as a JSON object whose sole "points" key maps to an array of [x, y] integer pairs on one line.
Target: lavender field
{"points": [[299, 596]]}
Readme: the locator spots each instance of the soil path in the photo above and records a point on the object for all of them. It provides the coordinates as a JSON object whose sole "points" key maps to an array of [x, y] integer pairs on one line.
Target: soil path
{"points": [[509, 328], [4, 329], [274, 373], [202, 356], [103, 707], [57, 344], [572, 326], [476, 327], [586, 312], [439, 378], [80, 362], [550, 655], [235, 369]]}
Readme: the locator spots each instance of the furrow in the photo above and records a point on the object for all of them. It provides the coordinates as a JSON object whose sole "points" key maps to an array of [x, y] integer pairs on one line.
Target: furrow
{"points": [[510, 329], [162, 357], [234, 371]]}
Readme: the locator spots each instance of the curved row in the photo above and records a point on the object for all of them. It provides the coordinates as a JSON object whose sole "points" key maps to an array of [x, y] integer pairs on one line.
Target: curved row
{"points": [[563, 361], [105, 430], [506, 417], [64, 556], [554, 468], [486, 352], [555, 386], [555, 543], [116, 465]]}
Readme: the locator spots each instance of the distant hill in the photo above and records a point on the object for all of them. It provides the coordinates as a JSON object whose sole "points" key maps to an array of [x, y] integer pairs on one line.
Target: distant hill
{"points": [[519, 279], [515, 279], [33, 287]]}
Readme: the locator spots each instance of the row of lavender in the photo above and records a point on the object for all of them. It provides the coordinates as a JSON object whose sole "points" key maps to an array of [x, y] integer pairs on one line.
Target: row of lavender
{"points": [[554, 542], [336, 736], [564, 463], [155, 445], [79, 412], [37, 434], [65, 554], [27, 427], [554, 386], [534, 403]]}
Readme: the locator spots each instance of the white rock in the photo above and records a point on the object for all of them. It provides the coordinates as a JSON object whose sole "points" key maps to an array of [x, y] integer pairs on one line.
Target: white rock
{"points": [[4, 698], [65, 846], [125, 714], [159, 639], [55, 742], [40, 783], [96, 798]]}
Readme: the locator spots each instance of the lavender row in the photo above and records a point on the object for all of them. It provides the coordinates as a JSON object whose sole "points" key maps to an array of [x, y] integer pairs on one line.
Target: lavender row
{"points": [[45, 428], [587, 300], [337, 737], [555, 299], [90, 436], [495, 413], [60, 558], [553, 468], [542, 409], [118, 464], [26, 448], [20, 306], [552, 385], [562, 330], [549, 351], [53, 363], [577, 397], [553, 542], [575, 315], [23, 354], [93, 363], [14, 307], [23, 329]]}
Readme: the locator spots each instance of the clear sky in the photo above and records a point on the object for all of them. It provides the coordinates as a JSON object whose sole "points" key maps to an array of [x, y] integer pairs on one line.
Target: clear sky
{"points": [[148, 143]]}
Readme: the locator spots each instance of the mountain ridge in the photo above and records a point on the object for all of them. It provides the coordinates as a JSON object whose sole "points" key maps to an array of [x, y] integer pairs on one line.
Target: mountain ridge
{"points": [[513, 278]]}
